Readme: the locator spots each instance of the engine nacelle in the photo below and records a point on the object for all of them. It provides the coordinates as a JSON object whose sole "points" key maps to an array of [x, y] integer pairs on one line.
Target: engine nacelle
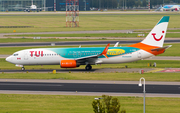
{"points": [[68, 64]]}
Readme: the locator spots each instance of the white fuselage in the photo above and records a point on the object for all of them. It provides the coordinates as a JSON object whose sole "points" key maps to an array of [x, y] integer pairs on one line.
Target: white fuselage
{"points": [[47, 57]]}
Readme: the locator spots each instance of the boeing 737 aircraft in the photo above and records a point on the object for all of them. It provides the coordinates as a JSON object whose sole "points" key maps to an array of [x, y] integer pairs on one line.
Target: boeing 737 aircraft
{"points": [[151, 46], [169, 8], [32, 8]]}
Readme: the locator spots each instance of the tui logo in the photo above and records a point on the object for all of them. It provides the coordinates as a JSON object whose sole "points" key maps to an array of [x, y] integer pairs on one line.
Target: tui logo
{"points": [[37, 53], [157, 39]]}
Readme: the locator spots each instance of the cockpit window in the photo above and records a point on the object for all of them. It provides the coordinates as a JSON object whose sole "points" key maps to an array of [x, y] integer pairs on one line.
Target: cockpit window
{"points": [[15, 54]]}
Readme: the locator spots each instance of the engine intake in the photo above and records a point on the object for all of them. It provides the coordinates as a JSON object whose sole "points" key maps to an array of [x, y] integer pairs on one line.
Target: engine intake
{"points": [[68, 64]]}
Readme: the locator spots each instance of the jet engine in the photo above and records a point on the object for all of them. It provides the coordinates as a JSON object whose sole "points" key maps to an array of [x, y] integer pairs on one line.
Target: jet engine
{"points": [[68, 64]]}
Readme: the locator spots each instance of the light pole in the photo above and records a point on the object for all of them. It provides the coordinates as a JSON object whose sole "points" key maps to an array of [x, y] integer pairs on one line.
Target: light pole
{"points": [[98, 102], [143, 90], [85, 5], [123, 5], [44, 5], [99, 4]]}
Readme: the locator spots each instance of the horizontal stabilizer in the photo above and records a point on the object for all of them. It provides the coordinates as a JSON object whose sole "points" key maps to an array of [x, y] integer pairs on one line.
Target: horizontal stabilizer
{"points": [[161, 48]]}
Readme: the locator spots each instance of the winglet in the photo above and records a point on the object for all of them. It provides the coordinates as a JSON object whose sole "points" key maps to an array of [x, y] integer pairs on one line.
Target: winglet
{"points": [[105, 51], [116, 45]]}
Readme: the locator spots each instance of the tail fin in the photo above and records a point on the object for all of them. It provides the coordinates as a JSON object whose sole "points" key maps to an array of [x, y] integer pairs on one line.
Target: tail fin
{"points": [[157, 35]]}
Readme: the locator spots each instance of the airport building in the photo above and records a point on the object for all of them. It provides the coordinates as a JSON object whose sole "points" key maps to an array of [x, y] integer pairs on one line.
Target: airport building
{"points": [[20, 5]]}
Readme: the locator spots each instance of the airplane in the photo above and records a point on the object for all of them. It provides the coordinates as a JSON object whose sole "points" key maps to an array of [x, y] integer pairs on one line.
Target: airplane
{"points": [[169, 7], [151, 46], [31, 8]]}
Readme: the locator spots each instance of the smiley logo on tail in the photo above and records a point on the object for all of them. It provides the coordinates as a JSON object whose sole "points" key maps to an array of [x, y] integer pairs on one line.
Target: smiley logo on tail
{"points": [[153, 34]]}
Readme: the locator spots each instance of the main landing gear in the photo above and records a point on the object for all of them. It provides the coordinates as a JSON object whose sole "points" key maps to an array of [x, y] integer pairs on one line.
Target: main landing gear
{"points": [[22, 68], [88, 67]]}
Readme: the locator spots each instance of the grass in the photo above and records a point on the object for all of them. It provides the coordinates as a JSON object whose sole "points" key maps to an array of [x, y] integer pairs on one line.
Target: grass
{"points": [[115, 76], [81, 104], [49, 23], [172, 51]]}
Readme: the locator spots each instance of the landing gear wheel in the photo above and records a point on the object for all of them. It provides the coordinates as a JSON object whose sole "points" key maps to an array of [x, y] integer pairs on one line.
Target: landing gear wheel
{"points": [[88, 67], [22, 68]]}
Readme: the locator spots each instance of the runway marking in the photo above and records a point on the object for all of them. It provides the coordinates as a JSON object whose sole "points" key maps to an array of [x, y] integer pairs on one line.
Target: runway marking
{"points": [[155, 70], [171, 70]]}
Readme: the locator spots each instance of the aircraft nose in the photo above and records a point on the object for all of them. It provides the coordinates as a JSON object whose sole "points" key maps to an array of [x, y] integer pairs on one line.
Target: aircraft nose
{"points": [[8, 59]]}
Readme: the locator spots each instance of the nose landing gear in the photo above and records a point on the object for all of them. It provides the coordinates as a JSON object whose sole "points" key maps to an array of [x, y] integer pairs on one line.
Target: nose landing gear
{"points": [[88, 67], [22, 68]]}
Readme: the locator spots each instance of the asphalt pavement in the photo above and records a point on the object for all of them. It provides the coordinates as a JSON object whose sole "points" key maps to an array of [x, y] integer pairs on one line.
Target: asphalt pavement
{"points": [[90, 87]]}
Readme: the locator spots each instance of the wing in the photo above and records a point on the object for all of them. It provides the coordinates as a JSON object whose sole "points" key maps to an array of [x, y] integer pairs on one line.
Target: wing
{"points": [[116, 45], [21, 8], [93, 58], [44, 8]]}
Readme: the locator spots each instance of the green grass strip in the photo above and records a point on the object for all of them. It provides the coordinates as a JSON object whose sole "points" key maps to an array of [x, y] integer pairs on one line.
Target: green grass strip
{"points": [[24, 103], [88, 22], [115, 76]]}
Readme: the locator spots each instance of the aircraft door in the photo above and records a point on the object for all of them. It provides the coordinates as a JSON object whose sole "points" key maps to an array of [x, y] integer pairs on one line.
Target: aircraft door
{"points": [[139, 54], [26, 55]]}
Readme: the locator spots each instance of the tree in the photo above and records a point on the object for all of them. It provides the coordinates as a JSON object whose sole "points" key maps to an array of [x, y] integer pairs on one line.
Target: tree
{"points": [[131, 3], [108, 105], [138, 3], [144, 3], [97, 107]]}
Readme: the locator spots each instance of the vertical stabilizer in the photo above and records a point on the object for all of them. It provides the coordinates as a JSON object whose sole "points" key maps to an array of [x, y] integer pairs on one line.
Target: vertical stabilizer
{"points": [[157, 35]]}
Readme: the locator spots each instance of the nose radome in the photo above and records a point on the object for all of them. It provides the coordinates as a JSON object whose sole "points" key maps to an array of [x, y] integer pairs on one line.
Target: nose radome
{"points": [[8, 59]]}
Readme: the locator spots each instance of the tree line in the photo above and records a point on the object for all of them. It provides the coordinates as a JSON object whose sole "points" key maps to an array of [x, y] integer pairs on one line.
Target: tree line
{"points": [[113, 4]]}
